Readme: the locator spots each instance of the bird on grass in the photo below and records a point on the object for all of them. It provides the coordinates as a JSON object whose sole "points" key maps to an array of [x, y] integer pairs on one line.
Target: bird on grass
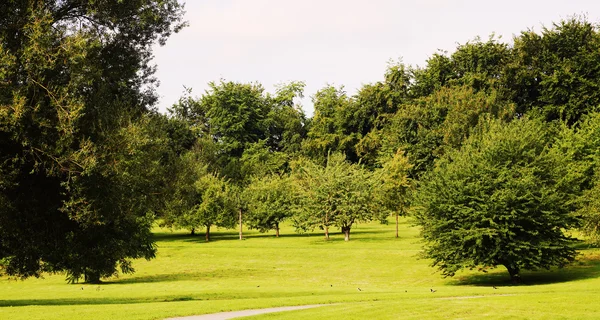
{"points": [[494, 287], [432, 291], [359, 289]]}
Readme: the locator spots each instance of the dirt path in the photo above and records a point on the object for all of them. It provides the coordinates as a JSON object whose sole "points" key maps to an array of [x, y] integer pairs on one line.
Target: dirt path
{"points": [[245, 313]]}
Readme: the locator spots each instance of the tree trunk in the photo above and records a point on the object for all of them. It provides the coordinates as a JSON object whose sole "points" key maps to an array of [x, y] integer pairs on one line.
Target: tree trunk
{"points": [[346, 231], [193, 231], [397, 225], [240, 211], [207, 235], [515, 277], [91, 276], [277, 229], [326, 227]]}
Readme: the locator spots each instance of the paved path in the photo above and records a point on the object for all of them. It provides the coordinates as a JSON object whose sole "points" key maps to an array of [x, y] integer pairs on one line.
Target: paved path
{"points": [[245, 313]]}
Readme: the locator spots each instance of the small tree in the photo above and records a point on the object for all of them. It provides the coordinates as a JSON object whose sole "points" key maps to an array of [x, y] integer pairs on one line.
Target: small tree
{"points": [[270, 202], [215, 207], [338, 194], [504, 199], [200, 199], [395, 185]]}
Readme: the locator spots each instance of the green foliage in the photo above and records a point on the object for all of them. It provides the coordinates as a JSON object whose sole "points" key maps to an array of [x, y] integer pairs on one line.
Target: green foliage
{"points": [[329, 130], [582, 145], [426, 128], [337, 194], [80, 154], [394, 188], [557, 72], [504, 198], [271, 201], [199, 198], [240, 127]]}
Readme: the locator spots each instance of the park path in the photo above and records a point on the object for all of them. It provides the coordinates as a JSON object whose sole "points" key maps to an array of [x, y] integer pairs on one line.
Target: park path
{"points": [[245, 313]]}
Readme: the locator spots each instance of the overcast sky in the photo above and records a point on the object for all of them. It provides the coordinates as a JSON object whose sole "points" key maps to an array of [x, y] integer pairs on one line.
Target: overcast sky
{"points": [[340, 42]]}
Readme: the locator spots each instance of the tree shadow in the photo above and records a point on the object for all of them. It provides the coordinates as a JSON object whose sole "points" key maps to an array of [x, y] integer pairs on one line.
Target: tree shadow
{"points": [[585, 267], [178, 236], [94, 301]]}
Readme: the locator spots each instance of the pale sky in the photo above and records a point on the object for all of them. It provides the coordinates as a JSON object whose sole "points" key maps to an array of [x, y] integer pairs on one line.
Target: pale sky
{"points": [[339, 42]]}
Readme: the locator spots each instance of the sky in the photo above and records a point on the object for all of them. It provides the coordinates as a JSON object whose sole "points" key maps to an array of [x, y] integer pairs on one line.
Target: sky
{"points": [[336, 42]]}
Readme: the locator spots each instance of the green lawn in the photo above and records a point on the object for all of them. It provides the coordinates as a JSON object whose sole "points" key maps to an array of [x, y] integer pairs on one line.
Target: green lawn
{"points": [[190, 276]]}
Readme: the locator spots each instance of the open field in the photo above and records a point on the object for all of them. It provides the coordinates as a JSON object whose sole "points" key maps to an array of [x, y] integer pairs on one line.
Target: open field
{"points": [[190, 276]]}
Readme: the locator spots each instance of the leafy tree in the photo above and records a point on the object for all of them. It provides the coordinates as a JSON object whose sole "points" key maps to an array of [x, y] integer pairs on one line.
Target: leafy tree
{"points": [[337, 194], [557, 71], [504, 198], [200, 198], [216, 207], [427, 127], [330, 130], [245, 133], [79, 156], [581, 144], [395, 185], [271, 201]]}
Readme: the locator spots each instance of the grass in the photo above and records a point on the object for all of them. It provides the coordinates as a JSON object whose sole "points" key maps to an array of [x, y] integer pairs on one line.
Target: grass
{"points": [[190, 276]]}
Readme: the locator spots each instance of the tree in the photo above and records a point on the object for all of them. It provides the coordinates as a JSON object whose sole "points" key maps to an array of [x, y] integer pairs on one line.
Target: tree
{"points": [[504, 198], [215, 207], [581, 143], [199, 198], [427, 127], [245, 133], [337, 194], [330, 129], [556, 72], [79, 155], [395, 185], [271, 201]]}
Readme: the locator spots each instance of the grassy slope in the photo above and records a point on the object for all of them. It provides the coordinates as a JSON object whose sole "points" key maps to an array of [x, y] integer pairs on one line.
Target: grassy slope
{"points": [[190, 276]]}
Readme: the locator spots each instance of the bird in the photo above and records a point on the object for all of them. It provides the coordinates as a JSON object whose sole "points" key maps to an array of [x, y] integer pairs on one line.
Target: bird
{"points": [[432, 291], [331, 285], [494, 287], [405, 290], [359, 289], [258, 286]]}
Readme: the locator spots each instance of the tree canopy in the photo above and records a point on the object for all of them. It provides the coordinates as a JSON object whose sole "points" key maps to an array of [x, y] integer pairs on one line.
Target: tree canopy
{"points": [[504, 198], [79, 155]]}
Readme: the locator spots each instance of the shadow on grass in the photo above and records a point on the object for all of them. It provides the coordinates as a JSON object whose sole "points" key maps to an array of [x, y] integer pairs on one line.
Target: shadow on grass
{"points": [[92, 301], [231, 235], [585, 267], [97, 290]]}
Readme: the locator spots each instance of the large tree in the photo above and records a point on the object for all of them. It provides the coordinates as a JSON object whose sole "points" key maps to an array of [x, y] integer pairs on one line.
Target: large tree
{"points": [[504, 198], [79, 154]]}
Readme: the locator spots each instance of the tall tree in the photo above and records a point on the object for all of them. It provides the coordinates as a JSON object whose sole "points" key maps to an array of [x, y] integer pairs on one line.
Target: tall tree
{"points": [[504, 198], [78, 156], [556, 72]]}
